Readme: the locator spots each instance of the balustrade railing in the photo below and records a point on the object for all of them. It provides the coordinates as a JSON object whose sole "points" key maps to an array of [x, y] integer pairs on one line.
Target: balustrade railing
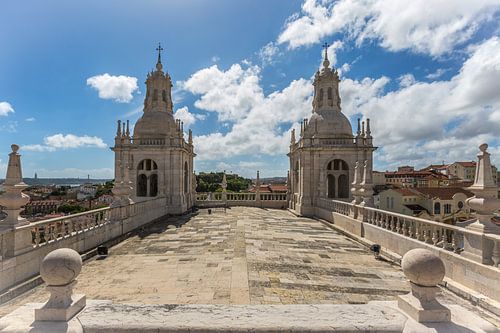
{"points": [[52, 230], [235, 197], [438, 234]]}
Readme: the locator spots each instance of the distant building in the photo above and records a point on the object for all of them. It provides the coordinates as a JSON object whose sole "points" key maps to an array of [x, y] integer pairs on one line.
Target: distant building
{"points": [[466, 170], [86, 191], [270, 188], [43, 207], [446, 204]]}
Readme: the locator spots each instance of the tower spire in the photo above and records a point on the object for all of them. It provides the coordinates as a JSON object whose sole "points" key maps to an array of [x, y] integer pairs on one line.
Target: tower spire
{"points": [[326, 62], [159, 66]]}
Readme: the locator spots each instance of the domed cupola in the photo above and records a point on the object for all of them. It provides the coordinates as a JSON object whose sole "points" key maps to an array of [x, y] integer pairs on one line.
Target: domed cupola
{"points": [[157, 120]]}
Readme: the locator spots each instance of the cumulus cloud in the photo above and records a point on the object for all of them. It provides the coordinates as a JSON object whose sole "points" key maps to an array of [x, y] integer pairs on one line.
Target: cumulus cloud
{"points": [[230, 93], [118, 88], [418, 122], [5, 108], [185, 116], [258, 124], [268, 53], [430, 27], [434, 121], [68, 141]]}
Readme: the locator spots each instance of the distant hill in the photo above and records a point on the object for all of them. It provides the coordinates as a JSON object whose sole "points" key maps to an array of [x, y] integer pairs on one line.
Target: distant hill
{"points": [[61, 181], [273, 180]]}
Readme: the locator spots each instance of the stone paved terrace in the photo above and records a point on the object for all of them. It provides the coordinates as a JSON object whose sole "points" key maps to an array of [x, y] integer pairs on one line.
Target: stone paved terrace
{"points": [[244, 256]]}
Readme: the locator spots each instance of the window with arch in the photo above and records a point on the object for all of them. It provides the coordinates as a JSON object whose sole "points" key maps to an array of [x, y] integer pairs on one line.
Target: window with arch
{"points": [[321, 94], [330, 93], [337, 176], [155, 95], [296, 176], [147, 178], [447, 208], [153, 185], [164, 95], [437, 208]]}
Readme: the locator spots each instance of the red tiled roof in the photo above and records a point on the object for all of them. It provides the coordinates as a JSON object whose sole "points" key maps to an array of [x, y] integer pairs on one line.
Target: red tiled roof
{"points": [[467, 164], [445, 193]]}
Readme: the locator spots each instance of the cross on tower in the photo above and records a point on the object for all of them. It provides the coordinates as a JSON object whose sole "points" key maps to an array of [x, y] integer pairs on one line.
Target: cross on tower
{"points": [[325, 46], [159, 49]]}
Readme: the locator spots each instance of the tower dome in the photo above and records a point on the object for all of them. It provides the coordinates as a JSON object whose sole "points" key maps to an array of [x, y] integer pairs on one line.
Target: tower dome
{"points": [[157, 121]]}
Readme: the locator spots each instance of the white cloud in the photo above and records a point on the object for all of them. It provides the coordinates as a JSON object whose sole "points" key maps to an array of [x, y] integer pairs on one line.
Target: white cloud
{"points": [[215, 59], [118, 88], [406, 80], [268, 53], [419, 122], [332, 51], [256, 123], [437, 74], [423, 122], [5, 108], [185, 116], [30, 119], [68, 141], [231, 93], [431, 27]]}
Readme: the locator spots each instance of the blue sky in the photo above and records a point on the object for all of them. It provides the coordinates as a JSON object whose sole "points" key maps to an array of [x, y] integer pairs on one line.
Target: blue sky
{"points": [[425, 73]]}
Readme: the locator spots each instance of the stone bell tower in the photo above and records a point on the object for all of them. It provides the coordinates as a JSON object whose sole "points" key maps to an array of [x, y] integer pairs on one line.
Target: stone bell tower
{"points": [[155, 161], [328, 161]]}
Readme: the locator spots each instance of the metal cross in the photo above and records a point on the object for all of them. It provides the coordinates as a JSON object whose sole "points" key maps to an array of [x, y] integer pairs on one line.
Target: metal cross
{"points": [[159, 49], [325, 45]]}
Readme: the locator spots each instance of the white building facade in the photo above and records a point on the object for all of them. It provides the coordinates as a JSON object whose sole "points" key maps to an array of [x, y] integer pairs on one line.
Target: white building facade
{"points": [[156, 161], [328, 160]]}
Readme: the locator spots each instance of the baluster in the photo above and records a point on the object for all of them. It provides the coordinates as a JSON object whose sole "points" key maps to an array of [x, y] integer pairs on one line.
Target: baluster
{"points": [[454, 241], [495, 256], [37, 236], [405, 227], [435, 236], [426, 232], [444, 239], [391, 222], [397, 225]]}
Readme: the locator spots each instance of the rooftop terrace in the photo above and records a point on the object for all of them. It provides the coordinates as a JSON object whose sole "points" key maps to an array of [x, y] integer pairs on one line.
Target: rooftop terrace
{"points": [[244, 256]]}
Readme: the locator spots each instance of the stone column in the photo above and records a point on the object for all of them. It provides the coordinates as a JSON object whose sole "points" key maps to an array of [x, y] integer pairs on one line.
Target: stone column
{"points": [[484, 202], [16, 239], [425, 270]]}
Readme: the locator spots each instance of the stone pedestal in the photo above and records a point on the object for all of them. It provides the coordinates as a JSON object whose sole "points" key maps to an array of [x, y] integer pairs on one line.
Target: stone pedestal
{"points": [[422, 306], [425, 270]]}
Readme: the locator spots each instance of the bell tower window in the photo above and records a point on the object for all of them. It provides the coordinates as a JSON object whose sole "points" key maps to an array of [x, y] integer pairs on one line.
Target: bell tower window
{"points": [[155, 95]]}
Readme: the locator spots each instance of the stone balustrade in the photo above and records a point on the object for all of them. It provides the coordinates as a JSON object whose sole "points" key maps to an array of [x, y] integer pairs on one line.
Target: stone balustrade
{"points": [[398, 233], [231, 199], [82, 232]]}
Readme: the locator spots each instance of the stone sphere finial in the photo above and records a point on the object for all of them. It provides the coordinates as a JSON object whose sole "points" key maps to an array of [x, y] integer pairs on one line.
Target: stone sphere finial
{"points": [[14, 148], [61, 267], [422, 267], [483, 147]]}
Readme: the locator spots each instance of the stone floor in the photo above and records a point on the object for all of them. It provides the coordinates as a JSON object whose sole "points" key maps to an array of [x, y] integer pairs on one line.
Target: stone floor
{"points": [[242, 256]]}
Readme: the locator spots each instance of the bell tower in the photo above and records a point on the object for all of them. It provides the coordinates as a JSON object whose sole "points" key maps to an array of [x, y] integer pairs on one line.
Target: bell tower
{"points": [[155, 161], [328, 162]]}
